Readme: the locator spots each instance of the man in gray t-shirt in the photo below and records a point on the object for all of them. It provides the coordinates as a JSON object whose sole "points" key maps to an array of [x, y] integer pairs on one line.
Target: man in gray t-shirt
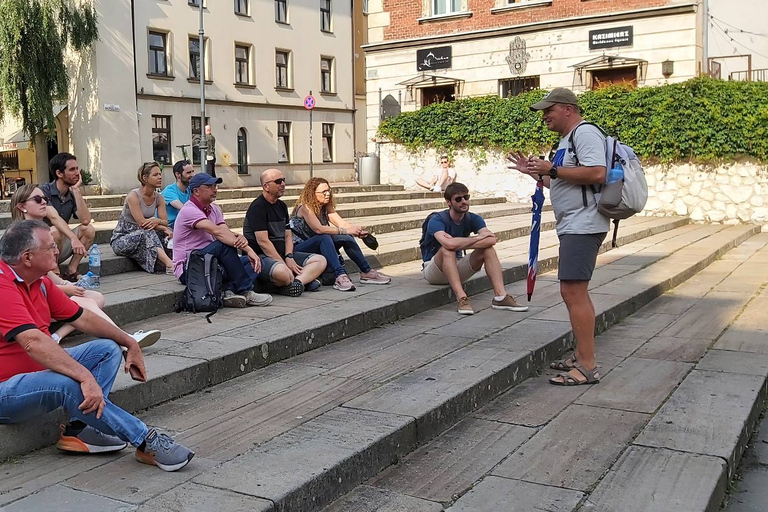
{"points": [[574, 174]]}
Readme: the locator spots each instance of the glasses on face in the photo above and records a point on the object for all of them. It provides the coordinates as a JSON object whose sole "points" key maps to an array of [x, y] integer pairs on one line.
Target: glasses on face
{"points": [[443, 161], [278, 181], [39, 199], [213, 186], [51, 248], [323, 192], [458, 199]]}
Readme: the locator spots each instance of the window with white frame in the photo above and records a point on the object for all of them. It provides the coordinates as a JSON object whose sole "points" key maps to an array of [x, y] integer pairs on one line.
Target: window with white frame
{"points": [[445, 7], [282, 65], [326, 74]]}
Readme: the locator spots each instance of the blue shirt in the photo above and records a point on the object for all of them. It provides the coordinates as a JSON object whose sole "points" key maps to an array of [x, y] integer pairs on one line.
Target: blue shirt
{"points": [[172, 193], [471, 223]]}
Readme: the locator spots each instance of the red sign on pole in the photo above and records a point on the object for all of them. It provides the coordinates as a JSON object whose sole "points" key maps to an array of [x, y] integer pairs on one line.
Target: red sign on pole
{"points": [[309, 102]]}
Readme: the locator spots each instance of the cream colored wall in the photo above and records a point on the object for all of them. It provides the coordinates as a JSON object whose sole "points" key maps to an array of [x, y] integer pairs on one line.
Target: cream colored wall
{"points": [[732, 15], [481, 63]]}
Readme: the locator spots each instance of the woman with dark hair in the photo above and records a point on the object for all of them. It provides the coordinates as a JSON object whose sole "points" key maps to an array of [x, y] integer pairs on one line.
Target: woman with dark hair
{"points": [[318, 228], [138, 232], [30, 203]]}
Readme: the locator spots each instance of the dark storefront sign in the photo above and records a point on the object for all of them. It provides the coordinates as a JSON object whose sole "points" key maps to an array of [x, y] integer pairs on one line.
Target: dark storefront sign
{"points": [[610, 37], [433, 58]]}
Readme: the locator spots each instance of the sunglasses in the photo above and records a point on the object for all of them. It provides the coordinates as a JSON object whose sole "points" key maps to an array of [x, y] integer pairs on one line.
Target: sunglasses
{"points": [[444, 161], [39, 199], [459, 198], [278, 181]]}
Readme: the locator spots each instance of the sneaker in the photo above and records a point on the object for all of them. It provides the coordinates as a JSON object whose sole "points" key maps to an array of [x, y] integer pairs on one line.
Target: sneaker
{"points": [[146, 339], [294, 289], [313, 286], [374, 277], [232, 300], [343, 284], [88, 440], [464, 306], [258, 299], [162, 451], [509, 304]]}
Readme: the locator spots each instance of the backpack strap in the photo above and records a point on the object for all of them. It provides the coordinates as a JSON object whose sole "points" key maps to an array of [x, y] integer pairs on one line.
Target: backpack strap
{"points": [[572, 150], [209, 283], [615, 233]]}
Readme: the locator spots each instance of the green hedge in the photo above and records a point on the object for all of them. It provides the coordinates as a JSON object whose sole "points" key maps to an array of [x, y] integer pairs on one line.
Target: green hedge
{"points": [[702, 120]]}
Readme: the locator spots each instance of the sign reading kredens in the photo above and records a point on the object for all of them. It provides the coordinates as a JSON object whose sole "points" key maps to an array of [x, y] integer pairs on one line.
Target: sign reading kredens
{"points": [[610, 37], [433, 58]]}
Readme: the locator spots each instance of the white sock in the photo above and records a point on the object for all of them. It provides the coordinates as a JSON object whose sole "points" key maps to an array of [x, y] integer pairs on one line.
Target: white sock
{"points": [[500, 297]]}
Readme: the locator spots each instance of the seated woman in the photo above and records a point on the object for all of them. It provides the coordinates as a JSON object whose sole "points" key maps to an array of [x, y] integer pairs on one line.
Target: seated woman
{"points": [[441, 178], [317, 228], [29, 203], [138, 232]]}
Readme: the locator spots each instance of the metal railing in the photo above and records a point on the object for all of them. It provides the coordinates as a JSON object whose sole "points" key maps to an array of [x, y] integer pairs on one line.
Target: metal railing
{"points": [[756, 75]]}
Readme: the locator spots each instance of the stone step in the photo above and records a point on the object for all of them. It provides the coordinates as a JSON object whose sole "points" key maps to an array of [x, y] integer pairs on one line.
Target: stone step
{"points": [[116, 200], [380, 224], [194, 354]]}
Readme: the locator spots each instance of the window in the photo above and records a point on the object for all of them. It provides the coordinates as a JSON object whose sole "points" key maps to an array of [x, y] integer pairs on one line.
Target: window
{"points": [[196, 3], [325, 15], [327, 142], [326, 77], [281, 11], [242, 151], [158, 56], [445, 6], [161, 139], [194, 58], [281, 69], [197, 133], [241, 7], [283, 142], [515, 86], [242, 75]]}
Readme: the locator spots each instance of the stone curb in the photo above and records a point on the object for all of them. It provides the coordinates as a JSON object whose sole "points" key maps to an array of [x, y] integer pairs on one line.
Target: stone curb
{"points": [[325, 485]]}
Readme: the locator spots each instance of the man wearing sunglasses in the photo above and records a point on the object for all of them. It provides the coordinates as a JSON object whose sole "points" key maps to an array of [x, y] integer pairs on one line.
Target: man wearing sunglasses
{"points": [[448, 237], [65, 200]]}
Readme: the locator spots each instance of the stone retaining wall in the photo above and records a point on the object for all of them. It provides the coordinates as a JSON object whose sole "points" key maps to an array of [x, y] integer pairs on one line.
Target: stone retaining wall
{"points": [[732, 193]]}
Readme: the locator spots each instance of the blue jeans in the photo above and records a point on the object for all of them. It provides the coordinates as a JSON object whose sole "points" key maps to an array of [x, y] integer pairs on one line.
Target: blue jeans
{"points": [[328, 246], [28, 395], [239, 275]]}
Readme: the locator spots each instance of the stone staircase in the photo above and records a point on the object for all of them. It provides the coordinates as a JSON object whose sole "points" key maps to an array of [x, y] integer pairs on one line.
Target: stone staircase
{"points": [[314, 395]]}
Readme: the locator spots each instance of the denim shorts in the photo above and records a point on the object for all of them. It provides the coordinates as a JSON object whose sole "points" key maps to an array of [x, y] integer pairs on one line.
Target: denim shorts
{"points": [[268, 264], [578, 255]]}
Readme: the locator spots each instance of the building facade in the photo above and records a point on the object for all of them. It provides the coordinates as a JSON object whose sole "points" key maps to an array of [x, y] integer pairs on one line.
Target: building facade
{"points": [[136, 97], [422, 51]]}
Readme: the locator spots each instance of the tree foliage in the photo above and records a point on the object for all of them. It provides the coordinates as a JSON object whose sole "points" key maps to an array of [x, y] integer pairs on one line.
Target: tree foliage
{"points": [[34, 36], [702, 120]]}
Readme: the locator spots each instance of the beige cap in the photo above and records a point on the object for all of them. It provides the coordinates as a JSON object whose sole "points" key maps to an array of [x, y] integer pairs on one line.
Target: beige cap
{"points": [[556, 95]]}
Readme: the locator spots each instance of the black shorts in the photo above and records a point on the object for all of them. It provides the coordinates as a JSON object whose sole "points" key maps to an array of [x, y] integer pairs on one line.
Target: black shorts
{"points": [[578, 254]]}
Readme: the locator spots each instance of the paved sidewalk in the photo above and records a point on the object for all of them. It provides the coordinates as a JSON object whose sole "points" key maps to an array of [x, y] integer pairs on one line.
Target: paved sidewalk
{"points": [[684, 379]]}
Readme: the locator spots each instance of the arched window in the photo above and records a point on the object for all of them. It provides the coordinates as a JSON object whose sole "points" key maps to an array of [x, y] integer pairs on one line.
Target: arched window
{"points": [[242, 151]]}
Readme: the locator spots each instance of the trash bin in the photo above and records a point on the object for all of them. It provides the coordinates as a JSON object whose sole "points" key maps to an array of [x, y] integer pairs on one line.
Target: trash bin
{"points": [[369, 170]]}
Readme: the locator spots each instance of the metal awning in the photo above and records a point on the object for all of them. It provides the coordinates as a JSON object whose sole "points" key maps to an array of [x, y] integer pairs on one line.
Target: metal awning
{"points": [[611, 61], [15, 141], [424, 80]]}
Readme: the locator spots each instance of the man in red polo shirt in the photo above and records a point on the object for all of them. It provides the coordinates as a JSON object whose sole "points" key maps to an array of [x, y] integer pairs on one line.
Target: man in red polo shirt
{"points": [[38, 376]]}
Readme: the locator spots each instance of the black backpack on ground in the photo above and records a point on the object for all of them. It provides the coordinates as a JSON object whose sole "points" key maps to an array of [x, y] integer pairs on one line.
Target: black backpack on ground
{"points": [[205, 285]]}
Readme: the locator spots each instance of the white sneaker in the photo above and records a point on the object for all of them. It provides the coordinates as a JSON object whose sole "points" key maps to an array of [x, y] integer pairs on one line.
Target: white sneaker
{"points": [[232, 300], [146, 339], [257, 299]]}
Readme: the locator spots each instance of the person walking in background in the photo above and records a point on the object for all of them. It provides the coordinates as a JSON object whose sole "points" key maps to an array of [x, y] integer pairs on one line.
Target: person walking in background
{"points": [[176, 194], [65, 200], [580, 226], [138, 232], [210, 155], [443, 177], [318, 228]]}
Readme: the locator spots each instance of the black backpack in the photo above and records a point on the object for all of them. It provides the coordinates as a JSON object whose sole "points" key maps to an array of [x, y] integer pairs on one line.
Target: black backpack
{"points": [[446, 216], [205, 285]]}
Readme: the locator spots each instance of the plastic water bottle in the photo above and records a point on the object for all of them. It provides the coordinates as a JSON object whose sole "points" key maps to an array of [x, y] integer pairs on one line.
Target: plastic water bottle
{"points": [[84, 282], [94, 265], [614, 175]]}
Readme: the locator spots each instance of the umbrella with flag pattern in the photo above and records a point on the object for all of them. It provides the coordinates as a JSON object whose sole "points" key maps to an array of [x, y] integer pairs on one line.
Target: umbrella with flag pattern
{"points": [[533, 249]]}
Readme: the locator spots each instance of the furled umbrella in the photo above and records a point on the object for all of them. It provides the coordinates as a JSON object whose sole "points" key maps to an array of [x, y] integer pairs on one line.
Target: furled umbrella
{"points": [[533, 249]]}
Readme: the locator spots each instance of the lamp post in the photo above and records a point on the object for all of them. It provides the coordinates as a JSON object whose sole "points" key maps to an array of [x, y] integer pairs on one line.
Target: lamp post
{"points": [[201, 75]]}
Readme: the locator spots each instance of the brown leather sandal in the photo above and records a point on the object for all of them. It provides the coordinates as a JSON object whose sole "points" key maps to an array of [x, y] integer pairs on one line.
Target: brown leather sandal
{"points": [[564, 364], [569, 380]]}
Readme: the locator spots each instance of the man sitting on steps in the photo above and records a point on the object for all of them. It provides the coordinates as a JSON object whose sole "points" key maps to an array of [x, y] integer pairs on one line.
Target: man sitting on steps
{"points": [[38, 376], [448, 236], [200, 226]]}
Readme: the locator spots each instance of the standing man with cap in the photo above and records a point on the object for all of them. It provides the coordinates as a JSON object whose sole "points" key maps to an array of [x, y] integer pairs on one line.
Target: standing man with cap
{"points": [[210, 164], [580, 227], [177, 193], [200, 226]]}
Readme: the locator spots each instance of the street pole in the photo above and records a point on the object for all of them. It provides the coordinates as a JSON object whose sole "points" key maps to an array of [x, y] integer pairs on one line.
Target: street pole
{"points": [[311, 159], [201, 76]]}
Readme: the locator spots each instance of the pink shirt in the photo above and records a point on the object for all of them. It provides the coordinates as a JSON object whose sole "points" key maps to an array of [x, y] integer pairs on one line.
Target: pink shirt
{"points": [[186, 237]]}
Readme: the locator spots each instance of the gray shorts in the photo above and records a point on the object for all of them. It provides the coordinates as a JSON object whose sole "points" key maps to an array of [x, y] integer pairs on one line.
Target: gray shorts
{"points": [[268, 264], [66, 251], [578, 255]]}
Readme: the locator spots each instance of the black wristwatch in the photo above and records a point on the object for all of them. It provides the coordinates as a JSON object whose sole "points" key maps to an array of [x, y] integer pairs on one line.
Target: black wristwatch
{"points": [[289, 255], [553, 172]]}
